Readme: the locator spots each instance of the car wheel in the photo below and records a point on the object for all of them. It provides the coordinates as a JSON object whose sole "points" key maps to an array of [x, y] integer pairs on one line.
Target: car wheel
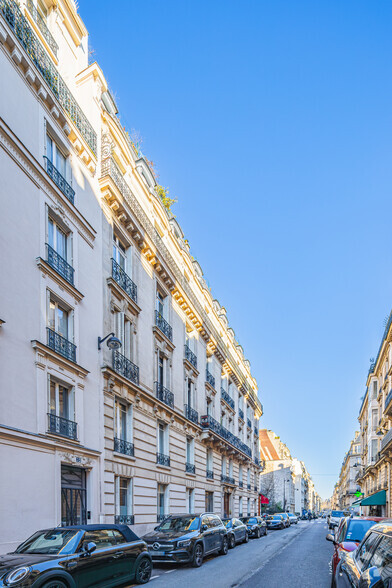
{"points": [[265, 531], [232, 542], [197, 556], [225, 546], [258, 533], [54, 584], [246, 539], [143, 571]]}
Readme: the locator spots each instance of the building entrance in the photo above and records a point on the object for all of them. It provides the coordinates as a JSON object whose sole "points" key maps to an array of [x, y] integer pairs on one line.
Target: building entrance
{"points": [[73, 496]]}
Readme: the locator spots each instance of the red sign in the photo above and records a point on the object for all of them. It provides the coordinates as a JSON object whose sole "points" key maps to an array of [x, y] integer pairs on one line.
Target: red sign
{"points": [[263, 499]]}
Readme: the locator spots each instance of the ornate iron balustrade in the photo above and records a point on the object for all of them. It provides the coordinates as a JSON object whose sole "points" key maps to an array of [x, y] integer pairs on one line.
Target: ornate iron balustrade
{"points": [[59, 264], [190, 356], [161, 517], [249, 423], [40, 22], [191, 414], [207, 421], [210, 378], [228, 399], [124, 447], [386, 439], [227, 479], [241, 413], [190, 468], [256, 431], [241, 484], [124, 281], [163, 459], [61, 345], [209, 474], [61, 426], [163, 325], [29, 41], [388, 399], [124, 366], [164, 395], [124, 520], [59, 180]]}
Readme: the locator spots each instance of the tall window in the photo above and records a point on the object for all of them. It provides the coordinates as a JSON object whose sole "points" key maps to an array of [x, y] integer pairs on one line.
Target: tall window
{"points": [[57, 238], [123, 421], [61, 400], [209, 407], [230, 468], [210, 458], [123, 498], [240, 506], [190, 458], [240, 474], [119, 253], [56, 157], [161, 304], [224, 465], [374, 419], [59, 318], [163, 439], [209, 502], [123, 329], [189, 392], [163, 502], [190, 500], [248, 507], [248, 476]]}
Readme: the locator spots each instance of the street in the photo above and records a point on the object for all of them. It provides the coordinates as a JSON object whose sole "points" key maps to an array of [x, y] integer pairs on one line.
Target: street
{"points": [[297, 556]]}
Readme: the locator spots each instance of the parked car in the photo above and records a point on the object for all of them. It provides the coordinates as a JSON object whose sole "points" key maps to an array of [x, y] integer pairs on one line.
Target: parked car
{"points": [[370, 565], [334, 518], [348, 536], [293, 519], [256, 526], [187, 538], [285, 518], [69, 557], [275, 522], [237, 532]]}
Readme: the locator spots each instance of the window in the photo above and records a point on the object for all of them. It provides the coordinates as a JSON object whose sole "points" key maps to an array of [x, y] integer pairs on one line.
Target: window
{"points": [[374, 449], [209, 502], [190, 450], [42, 9], [190, 500], [210, 464], [162, 499], [56, 157], [124, 331], [104, 537], [161, 304], [123, 498], [382, 558], [209, 407], [230, 468], [59, 318], [119, 253], [365, 550], [161, 369], [240, 507], [224, 465], [374, 419], [57, 238], [248, 476], [61, 400], [374, 394], [123, 421], [248, 510], [163, 439], [240, 473], [189, 392]]}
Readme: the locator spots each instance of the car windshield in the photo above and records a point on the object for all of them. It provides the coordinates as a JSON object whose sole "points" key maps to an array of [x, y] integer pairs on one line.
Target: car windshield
{"points": [[337, 513], [275, 518], [183, 524], [227, 523], [356, 530], [52, 542], [252, 520]]}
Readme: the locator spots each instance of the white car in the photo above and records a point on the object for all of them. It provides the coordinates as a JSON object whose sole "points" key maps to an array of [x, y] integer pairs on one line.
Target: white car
{"points": [[293, 518], [334, 518]]}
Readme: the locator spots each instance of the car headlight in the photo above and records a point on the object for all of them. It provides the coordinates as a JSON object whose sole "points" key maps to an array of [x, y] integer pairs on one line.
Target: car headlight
{"points": [[17, 576], [185, 543]]}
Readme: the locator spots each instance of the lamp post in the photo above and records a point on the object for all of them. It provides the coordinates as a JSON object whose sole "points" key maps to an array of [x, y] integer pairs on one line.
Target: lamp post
{"points": [[284, 494], [112, 342]]}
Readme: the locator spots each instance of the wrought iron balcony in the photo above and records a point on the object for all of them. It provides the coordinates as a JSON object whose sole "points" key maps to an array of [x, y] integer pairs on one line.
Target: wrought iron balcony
{"points": [[124, 447], [124, 520], [163, 325], [61, 345], [241, 484], [58, 263], [241, 413], [61, 426], [227, 479], [164, 395], [209, 474], [124, 366], [161, 517], [190, 468], [29, 41], [388, 399], [228, 399], [59, 180], [190, 356], [386, 439], [124, 281], [208, 422], [40, 22], [191, 414], [163, 459], [249, 423], [210, 378]]}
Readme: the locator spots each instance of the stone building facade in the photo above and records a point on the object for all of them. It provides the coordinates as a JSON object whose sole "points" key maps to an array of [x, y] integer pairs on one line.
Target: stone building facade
{"points": [[168, 422]]}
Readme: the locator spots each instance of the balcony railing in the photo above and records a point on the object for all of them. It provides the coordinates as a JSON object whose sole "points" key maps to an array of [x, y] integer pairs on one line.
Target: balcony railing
{"points": [[190, 468], [241, 413], [227, 479], [191, 414], [29, 41], [388, 399], [124, 281], [249, 423], [161, 517], [124, 447], [59, 180], [164, 395], [208, 422], [163, 460], [190, 356], [210, 378], [241, 484], [61, 426], [61, 345], [386, 439], [124, 366], [209, 474], [163, 325], [124, 520], [59, 264], [40, 22], [227, 398]]}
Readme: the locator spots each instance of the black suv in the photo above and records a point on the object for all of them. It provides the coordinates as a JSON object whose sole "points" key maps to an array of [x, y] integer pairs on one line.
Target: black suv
{"points": [[187, 538]]}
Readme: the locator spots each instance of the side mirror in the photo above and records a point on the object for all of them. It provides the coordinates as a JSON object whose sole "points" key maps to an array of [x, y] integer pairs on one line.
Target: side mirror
{"points": [[89, 547], [156, 528], [330, 537], [204, 528], [371, 579]]}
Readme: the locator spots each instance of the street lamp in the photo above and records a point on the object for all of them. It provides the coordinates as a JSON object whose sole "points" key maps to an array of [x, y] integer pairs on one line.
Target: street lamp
{"points": [[284, 494], [112, 341]]}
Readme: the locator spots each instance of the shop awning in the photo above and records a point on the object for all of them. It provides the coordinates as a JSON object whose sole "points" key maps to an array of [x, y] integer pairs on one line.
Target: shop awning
{"points": [[376, 499]]}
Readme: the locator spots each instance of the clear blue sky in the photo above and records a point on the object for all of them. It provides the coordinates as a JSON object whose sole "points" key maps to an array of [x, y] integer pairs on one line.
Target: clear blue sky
{"points": [[271, 122]]}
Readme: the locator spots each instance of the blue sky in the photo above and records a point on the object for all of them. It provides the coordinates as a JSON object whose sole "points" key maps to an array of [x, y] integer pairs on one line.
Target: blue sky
{"points": [[271, 122]]}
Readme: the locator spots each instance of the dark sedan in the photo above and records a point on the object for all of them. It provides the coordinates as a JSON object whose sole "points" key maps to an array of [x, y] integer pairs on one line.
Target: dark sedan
{"points": [[187, 538], [237, 532], [77, 557], [370, 565], [256, 526], [275, 522]]}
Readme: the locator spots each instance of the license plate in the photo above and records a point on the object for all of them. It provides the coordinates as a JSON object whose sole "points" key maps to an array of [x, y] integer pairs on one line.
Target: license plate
{"points": [[154, 552]]}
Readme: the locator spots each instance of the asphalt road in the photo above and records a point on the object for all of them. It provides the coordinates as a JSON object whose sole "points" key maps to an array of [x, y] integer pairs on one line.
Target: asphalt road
{"points": [[298, 556]]}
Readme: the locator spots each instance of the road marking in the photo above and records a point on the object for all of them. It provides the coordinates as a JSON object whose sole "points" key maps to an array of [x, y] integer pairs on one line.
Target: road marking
{"points": [[170, 571], [153, 577]]}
